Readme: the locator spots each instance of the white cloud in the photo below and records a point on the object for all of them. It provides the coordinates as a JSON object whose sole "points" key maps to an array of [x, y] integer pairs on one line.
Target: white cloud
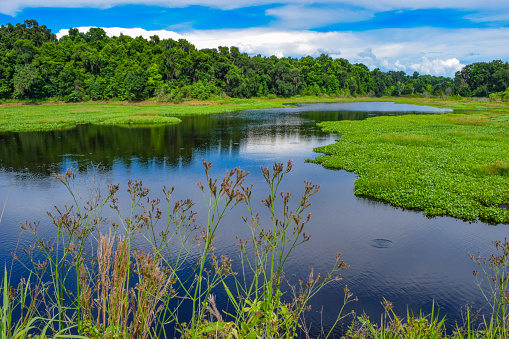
{"points": [[278, 54], [368, 53], [305, 17], [133, 32], [10, 7], [437, 66], [426, 50], [488, 17], [400, 67]]}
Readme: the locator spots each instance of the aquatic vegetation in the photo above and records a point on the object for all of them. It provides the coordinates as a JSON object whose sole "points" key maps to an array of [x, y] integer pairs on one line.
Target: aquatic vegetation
{"points": [[454, 165]]}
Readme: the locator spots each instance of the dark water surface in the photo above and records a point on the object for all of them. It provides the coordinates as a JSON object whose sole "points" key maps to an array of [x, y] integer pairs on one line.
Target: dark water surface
{"points": [[394, 254]]}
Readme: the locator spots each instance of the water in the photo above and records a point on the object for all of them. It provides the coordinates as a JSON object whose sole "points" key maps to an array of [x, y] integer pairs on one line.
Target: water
{"points": [[398, 255]]}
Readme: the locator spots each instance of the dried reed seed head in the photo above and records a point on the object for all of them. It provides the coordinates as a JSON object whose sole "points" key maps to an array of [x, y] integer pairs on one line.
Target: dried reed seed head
{"points": [[267, 202], [289, 166], [347, 292], [200, 186], [207, 165], [70, 173], [277, 169], [506, 296], [387, 304], [213, 187], [168, 192]]}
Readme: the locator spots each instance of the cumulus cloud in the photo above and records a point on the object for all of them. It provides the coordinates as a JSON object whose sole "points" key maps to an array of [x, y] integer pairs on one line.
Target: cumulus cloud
{"points": [[437, 66], [368, 53], [252, 40], [368, 58], [10, 7], [400, 67], [132, 32], [426, 50]]}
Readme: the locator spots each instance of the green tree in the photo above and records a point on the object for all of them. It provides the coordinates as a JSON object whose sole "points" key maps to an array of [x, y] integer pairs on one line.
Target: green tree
{"points": [[25, 81], [136, 85]]}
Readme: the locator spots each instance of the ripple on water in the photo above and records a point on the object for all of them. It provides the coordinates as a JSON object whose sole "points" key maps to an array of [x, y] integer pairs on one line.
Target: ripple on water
{"points": [[381, 243]]}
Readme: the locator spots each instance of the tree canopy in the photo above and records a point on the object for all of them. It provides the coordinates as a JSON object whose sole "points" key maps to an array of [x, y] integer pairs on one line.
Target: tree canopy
{"points": [[34, 64]]}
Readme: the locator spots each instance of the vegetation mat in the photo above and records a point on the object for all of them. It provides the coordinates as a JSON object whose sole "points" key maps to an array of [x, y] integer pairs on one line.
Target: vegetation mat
{"points": [[451, 164]]}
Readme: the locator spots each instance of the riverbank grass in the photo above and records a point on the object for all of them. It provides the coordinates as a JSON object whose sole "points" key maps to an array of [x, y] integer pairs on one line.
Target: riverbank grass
{"points": [[456, 165], [46, 117]]}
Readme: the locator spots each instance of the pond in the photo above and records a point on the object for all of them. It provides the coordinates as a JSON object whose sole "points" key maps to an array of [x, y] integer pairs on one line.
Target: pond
{"points": [[398, 255]]}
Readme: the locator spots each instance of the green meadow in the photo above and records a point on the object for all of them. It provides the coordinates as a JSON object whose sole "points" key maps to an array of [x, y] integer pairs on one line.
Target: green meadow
{"points": [[18, 118]]}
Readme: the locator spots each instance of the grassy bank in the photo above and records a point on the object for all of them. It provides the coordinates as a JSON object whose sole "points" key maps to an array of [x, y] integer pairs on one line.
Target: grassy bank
{"points": [[19, 117], [456, 165]]}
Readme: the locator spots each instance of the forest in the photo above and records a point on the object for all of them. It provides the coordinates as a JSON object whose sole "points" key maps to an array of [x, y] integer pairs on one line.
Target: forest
{"points": [[35, 65]]}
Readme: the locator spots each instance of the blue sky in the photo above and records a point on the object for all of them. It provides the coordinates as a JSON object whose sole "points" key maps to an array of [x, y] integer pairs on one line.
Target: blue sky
{"points": [[432, 37]]}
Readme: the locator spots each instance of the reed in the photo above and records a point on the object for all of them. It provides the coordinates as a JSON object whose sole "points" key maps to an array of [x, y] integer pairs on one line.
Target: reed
{"points": [[97, 284]]}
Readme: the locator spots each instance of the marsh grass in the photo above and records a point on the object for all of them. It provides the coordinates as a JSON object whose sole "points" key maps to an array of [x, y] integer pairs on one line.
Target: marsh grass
{"points": [[496, 168], [470, 120], [503, 118], [17, 118], [412, 140]]}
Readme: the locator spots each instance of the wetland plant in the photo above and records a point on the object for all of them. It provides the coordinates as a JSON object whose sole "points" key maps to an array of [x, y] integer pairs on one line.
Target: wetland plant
{"points": [[95, 280]]}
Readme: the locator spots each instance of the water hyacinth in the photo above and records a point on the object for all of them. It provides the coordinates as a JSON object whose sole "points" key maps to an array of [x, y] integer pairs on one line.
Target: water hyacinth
{"points": [[454, 165]]}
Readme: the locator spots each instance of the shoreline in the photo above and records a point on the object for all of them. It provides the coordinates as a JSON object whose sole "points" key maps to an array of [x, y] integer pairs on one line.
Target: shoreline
{"points": [[47, 116]]}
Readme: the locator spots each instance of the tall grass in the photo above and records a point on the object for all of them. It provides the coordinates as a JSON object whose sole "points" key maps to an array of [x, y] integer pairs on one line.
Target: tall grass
{"points": [[96, 283]]}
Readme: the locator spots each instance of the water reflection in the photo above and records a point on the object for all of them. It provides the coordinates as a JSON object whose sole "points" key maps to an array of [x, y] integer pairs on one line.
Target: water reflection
{"points": [[175, 145]]}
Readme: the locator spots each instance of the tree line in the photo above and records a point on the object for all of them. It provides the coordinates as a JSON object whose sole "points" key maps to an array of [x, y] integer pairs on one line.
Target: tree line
{"points": [[34, 64]]}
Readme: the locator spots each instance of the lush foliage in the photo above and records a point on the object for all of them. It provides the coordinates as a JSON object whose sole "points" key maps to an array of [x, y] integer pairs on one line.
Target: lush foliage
{"points": [[93, 66], [482, 79], [454, 165]]}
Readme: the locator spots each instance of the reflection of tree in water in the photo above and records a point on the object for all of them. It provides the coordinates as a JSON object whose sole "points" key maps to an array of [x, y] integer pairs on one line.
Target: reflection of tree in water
{"points": [[38, 152], [173, 145]]}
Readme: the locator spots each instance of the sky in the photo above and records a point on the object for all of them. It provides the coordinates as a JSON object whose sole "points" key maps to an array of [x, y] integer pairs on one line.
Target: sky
{"points": [[436, 37]]}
